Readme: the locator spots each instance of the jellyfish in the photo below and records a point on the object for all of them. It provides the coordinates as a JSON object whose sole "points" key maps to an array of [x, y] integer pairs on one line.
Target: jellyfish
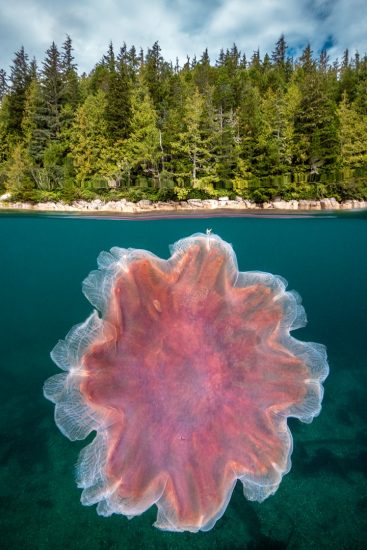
{"points": [[187, 372]]}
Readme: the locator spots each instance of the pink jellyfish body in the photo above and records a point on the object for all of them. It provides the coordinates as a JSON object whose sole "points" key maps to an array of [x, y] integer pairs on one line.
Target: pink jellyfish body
{"points": [[187, 377]]}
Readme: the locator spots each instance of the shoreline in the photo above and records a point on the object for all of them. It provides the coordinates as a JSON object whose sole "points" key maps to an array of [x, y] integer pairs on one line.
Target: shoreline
{"points": [[222, 205]]}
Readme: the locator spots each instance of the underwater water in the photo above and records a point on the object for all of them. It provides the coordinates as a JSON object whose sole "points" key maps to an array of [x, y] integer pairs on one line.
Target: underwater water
{"points": [[321, 503]]}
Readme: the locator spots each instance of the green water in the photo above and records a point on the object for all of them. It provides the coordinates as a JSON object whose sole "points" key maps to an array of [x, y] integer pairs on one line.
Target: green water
{"points": [[321, 503]]}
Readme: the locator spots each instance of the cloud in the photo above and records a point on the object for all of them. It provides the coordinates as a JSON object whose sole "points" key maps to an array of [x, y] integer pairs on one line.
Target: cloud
{"points": [[183, 27]]}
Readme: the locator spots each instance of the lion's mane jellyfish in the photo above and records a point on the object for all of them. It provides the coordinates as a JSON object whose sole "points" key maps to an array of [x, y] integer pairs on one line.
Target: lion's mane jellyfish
{"points": [[187, 376]]}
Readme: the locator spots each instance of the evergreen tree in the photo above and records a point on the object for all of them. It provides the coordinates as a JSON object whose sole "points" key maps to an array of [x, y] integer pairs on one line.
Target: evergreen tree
{"points": [[19, 82], [249, 119], [5, 136], [306, 61], [347, 78], [282, 65], [361, 86], [18, 173], [52, 91], [89, 140], [203, 73], [3, 84], [352, 135], [271, 146], [138, 119], [316, 123], [118, 95], [279, 54], [156, 74], [70, 93], [226, 147], [192, 145], [42, 120], [34, 126], [33, 70], [133, 63], [142, 149]]}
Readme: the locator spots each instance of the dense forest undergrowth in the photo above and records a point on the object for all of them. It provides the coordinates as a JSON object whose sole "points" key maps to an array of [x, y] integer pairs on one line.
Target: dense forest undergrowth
{"points": [[140, 127]]}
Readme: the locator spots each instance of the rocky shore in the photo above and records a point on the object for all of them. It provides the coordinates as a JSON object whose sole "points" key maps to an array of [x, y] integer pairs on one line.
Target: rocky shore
{"points": [[146, 206]]}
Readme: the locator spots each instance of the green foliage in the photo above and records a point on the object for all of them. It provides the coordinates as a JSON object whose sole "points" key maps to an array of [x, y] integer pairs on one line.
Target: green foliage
{"points": [[352, 135], [118, 97], [139, 127], [20, 78], [18, 171], [89, 139], [181, 193], [141, 151]]}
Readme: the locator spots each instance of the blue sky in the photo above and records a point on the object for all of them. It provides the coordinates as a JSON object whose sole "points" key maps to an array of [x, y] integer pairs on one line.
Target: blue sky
{"points": [[183, 27]]}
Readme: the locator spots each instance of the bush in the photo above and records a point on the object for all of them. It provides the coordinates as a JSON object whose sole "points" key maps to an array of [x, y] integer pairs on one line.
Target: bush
{"points": [[37, 195], [181, 193], [263, 194]]}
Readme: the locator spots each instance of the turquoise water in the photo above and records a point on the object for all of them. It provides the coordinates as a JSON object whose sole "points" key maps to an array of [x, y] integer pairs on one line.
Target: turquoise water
{"points": [[321, 503]]}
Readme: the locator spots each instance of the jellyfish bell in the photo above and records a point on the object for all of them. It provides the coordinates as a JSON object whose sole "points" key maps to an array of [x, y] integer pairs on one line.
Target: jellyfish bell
{"points": [[187, 373]]}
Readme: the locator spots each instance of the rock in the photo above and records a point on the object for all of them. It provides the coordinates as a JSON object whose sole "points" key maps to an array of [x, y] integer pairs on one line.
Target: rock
{"points": [[281, 205], [233, 204], [146, 205], [211, 203], [195, 203], [164, 206], [304, 204], [144, 202], [360, 204], [109, 206], [96, 204], [315, 205], [325, 204]]}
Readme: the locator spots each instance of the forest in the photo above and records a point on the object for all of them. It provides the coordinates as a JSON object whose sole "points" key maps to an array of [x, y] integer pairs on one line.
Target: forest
{"points": [[138, 126]]}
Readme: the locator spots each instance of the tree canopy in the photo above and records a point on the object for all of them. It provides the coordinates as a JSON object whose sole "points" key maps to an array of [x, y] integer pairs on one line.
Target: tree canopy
{"points": [[137, 125]]}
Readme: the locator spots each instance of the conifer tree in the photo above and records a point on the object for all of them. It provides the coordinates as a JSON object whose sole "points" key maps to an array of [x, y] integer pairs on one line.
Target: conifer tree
{"points": [[139, 119], [361, 86], [89, 140], [249, 120], [5, 137], [352, 135], [192, 145], [132, 63], [34, 126], [279, 54], [52, 91], [19, 82], [18, 173], [3, 84], [118, 96], [156, 72], [70, 86], [142, 148], [316, 124], [203, 73]]}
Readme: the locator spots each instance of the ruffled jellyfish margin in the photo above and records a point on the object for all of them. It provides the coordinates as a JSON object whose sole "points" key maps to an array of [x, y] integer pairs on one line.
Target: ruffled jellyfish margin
{"points": [[188, 377]]}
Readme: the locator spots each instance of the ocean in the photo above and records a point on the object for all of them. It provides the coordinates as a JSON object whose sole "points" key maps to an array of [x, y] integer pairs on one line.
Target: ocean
{"points": [[321, 503]]}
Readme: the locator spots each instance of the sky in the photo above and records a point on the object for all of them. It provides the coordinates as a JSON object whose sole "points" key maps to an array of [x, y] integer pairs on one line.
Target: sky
{"points": [[182, 27]]}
